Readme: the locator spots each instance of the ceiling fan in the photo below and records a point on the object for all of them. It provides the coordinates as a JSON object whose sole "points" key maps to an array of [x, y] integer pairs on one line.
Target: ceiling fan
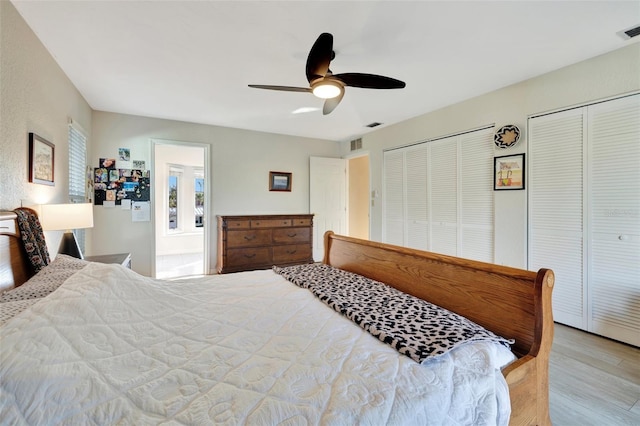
{"points": [[326, 85]]}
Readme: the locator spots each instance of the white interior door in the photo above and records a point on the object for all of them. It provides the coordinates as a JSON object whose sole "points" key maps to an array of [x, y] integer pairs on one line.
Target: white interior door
{"points": [[327, 199]]}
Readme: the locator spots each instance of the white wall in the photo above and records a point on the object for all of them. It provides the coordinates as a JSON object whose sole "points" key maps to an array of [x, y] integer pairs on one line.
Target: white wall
{"points": [[240, 164], [35, 96], [614, 73]]}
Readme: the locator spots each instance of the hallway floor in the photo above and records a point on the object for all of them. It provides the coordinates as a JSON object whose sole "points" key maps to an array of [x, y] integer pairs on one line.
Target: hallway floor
{"points": [[179, 265]]}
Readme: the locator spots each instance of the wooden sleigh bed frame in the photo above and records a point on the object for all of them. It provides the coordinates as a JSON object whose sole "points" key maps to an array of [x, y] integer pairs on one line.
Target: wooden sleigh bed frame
{"points": [[511, 302]]}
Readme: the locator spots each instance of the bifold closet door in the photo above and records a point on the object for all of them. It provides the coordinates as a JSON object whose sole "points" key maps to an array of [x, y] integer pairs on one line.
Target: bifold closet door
{"points": [[393, 196], [443, 180], [556, 232], [438, 195], [417, 195], [614, 219], [584, 214], [476, 240]]}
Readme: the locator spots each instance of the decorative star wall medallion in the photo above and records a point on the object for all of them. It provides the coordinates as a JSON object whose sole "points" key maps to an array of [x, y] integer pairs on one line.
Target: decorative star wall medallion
{"points": [[507, 136]]}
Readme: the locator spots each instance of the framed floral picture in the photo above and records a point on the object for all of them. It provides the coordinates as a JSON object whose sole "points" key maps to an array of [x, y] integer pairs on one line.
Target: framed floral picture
{"points": [[508, 172]]}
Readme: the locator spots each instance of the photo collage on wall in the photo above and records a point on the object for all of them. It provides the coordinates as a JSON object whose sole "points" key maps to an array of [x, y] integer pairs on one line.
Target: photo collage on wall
{"points": [[112, 185]]}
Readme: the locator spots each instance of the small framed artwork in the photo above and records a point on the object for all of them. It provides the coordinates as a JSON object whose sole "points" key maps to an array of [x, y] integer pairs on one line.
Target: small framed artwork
{"points": [[41, 160], [279, 181], [508, 172], [124, 154]]}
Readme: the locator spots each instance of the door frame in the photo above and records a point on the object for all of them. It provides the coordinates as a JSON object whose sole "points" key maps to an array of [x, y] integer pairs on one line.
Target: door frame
{"points": [[207, 198]]}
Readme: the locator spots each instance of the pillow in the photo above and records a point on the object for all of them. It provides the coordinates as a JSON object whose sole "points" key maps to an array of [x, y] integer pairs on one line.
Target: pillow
{"points": [[47, 280], [9, 310]]}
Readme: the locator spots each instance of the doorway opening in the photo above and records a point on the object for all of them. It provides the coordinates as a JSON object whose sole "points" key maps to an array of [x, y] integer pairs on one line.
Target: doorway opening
{"points": [[339, 191], [358, 202], [181, 205]]}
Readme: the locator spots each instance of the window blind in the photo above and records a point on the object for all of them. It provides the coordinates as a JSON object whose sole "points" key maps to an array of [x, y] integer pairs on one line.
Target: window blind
{"points": [[77, 165], [77, 177]]}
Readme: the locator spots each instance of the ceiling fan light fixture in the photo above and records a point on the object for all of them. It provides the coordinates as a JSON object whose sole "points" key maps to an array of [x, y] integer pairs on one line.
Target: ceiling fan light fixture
{"points": [[327, 89]]}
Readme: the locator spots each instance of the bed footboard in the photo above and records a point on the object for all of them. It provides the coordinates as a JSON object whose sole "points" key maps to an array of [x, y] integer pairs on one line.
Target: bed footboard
{"points": [[511, 302]]}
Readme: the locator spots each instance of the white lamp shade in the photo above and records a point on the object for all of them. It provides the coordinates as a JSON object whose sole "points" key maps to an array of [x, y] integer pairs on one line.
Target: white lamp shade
{"points": [[57, 217]]}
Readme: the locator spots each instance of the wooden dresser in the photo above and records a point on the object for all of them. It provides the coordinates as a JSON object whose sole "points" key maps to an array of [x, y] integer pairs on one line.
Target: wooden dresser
{"points": [[259, 242]]}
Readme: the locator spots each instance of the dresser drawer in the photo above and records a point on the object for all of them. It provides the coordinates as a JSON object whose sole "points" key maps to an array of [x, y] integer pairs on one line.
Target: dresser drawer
{"points": [[301, 222], [248, 256], [270, 223], [291, 253], [238, 224], [250, 238], [291, 235]]}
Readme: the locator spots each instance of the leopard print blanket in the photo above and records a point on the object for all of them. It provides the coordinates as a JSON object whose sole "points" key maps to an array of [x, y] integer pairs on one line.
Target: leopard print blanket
{"points": [[412, 326]]}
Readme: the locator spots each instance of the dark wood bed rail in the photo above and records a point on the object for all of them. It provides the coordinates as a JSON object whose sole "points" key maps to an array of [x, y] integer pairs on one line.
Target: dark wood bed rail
{"points": [[511, 302], [15, 268]]}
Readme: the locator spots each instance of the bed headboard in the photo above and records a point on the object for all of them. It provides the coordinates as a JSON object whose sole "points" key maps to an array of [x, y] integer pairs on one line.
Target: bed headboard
{"points": [[511, 302], [15, 268]]}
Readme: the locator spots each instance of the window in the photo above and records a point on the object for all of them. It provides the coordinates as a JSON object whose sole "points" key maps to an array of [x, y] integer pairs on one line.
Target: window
{"points": [[199, 199], [185, 199], [77, 172], [173, 200]]}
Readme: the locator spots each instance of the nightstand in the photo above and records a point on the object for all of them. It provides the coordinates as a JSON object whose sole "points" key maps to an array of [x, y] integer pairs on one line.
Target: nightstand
{"points": [[123, 259]]}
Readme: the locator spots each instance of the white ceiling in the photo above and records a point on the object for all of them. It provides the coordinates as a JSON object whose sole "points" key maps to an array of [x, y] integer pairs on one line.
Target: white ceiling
{"points": [[192, 60]]}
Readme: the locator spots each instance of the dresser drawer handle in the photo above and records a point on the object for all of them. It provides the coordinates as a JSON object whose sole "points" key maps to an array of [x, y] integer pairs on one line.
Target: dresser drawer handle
{"points": [[292, 235], [249, 237], [291, 251], [249, 256]]}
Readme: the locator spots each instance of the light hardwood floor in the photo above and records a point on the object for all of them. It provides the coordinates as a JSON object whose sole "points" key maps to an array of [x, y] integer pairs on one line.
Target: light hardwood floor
{"points": [[593, 380]]}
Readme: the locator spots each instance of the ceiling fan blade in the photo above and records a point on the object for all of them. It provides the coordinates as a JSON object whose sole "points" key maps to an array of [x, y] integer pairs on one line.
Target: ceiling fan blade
{"points": [[281, 88], [331, 104], [319, 57], [369, 81]]}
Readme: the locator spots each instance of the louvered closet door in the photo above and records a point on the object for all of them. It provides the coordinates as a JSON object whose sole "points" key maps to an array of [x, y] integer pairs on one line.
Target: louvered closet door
{"points": [[393, 196], [555, 209], [417, 228], [443, 191], [584, 214], [614, 179], [476, 195]]}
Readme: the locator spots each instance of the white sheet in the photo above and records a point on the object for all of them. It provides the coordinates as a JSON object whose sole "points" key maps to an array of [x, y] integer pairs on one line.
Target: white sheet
{"points": [[110, 346]]}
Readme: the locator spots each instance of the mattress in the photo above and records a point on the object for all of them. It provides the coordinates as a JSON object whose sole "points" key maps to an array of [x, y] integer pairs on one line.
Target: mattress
{"points": [[110, 346]]}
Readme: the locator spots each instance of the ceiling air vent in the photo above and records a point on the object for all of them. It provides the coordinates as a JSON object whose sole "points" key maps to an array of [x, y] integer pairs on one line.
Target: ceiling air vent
{"points": [[356, 144], [630, 33], [374, 124]]}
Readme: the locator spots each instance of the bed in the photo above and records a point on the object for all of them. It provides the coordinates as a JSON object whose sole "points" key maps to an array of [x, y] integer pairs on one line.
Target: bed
{"points": [[296, 375]]}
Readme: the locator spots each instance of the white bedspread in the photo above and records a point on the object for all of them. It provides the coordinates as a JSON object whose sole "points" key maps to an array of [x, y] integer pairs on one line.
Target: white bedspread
{"points": [[110, 346]]}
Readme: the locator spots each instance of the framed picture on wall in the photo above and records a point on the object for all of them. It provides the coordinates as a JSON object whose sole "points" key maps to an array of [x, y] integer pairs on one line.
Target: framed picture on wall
{"points": [[508, 172], [41, 160], [279, 181]]}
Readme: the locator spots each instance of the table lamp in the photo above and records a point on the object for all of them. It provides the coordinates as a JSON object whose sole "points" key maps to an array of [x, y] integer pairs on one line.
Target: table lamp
{"points": [[66, 217]]}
